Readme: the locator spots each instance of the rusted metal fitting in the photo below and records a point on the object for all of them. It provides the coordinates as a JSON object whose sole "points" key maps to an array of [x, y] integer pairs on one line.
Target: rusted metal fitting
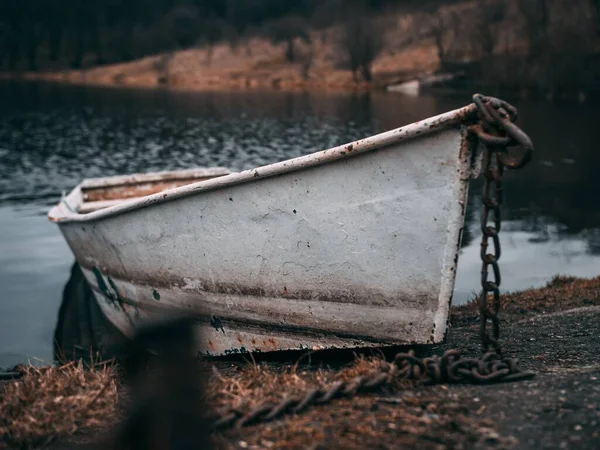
{"points": [[498, 132]]}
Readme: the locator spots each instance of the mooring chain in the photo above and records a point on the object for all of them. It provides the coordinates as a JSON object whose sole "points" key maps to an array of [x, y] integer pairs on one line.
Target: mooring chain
{"points": [[451, 367], [496, 130]]}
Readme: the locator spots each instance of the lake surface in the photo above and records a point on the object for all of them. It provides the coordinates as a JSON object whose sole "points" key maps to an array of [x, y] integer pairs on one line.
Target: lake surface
{"points": [[52, 136]]}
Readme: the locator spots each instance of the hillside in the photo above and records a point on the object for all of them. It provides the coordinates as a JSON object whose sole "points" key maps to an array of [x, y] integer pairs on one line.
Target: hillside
{"points": [[546, 46]]}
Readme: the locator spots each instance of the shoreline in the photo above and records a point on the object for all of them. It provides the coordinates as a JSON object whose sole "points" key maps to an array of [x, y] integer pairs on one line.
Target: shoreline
{"points": [[254, 64], [450, 46], [578, 96], [66, 78]]}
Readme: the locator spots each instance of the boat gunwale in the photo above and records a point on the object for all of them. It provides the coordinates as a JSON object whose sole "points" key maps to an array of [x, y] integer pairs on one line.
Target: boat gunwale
{"points": [[66, 210]]}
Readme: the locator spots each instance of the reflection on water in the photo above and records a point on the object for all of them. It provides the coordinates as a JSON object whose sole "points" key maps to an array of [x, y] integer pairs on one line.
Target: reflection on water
{"points": [[53, 136]]}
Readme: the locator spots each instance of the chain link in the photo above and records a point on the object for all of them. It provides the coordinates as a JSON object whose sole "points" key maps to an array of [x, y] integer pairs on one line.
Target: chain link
{"points": [[498, 133], [491, 199], [451, 367]]}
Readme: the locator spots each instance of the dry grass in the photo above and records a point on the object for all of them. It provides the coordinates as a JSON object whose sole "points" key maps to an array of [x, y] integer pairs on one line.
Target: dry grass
{"points": [[256, 63], [54, 402], [399, 415], [560, 294], [251, 384]]}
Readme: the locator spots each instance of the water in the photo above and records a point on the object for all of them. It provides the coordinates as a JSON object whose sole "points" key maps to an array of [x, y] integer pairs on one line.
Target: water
{"points": [[53, 136]]}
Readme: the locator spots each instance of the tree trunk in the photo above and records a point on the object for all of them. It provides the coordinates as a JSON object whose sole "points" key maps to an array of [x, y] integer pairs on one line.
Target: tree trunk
{"points": [[97, 42], [290, 54], [543, 26], [126, 44], [366, 71], [13, 54], [32, 56], [55, 41], [438, 34], [596, 8], [79, 49]]}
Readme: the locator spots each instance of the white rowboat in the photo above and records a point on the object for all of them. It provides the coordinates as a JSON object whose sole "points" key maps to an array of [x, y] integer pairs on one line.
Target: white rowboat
{"points": [[353, 246]]}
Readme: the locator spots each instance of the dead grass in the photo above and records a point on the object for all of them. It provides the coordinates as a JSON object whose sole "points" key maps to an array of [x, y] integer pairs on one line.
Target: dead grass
{"points": [[51, 404], [561, 293], [252, 383], [257, 63], [55, 402], [401, 416]]}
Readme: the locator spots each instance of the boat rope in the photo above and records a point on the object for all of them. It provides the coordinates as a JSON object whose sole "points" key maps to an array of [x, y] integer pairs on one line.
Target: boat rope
{"points": [[494, 127]]}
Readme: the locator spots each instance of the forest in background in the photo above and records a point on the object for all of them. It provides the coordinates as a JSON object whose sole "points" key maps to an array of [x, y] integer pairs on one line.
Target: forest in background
{"points": [[547, 45], [41, 34]]}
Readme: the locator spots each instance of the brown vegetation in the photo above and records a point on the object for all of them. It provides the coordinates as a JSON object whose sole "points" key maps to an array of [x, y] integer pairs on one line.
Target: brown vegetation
{"points": [[53, 403], [539, 46], [361, 41], [560, 294]]}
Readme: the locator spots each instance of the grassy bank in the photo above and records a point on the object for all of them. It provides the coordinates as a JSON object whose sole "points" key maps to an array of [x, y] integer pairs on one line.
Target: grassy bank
{"points": [[543, 48], [72, 404], [255, 63]]}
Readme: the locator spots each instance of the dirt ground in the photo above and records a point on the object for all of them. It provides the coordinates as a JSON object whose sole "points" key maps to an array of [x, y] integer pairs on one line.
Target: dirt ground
{"points": [[553, 331], [558, 409]]}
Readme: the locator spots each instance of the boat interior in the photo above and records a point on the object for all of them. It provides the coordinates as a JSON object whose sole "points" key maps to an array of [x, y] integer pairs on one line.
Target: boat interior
{"points": [[99, 193]]}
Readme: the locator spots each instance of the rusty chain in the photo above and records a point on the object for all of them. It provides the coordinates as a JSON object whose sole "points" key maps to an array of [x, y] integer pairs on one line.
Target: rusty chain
{"points": [[495, 129], [451, 367]]}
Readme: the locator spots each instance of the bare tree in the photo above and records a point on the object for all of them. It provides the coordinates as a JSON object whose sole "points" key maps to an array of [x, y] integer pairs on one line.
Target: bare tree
{"points": [[55, 32], [212, 31], [438, 30], [78, 45], [287, 30], [231, 35], [182, 26], [33, 41], [161, 66], [14, 47], [306, 64], [535, 13], [361, 41], [3, 41], [443, 30], [324, 15], [596, 9], [489, 15]]}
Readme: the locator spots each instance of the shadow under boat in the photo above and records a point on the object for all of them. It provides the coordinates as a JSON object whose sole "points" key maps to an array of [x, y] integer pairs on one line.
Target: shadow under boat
{"points": [[82, 331]]}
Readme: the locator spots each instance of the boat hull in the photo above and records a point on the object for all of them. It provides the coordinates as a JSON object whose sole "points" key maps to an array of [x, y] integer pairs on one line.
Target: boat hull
{"points": [[355, 250]]}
